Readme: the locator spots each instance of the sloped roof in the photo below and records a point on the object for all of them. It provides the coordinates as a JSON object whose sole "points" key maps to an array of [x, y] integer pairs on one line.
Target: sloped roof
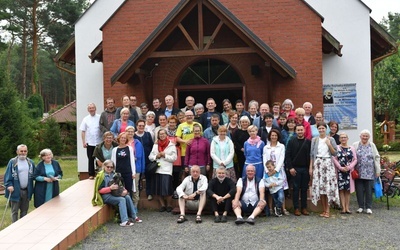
{"points": [[64, 114], [127, 67], [382, 43]]}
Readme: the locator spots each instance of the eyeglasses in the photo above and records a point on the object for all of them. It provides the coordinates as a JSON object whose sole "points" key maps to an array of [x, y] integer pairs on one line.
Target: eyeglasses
{"points": [[108, 167]]}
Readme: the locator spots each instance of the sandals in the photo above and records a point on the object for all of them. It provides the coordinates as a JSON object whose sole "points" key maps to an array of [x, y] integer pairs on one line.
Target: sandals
{"points": [[181, 219], [325, 215], [198, 219]]}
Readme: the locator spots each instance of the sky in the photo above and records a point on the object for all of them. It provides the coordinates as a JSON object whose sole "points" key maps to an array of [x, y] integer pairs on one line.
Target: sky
{"points": [[380, 8]]}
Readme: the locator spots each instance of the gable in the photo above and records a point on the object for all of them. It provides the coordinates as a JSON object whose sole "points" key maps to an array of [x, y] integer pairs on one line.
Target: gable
{"points": [[201, 24]]}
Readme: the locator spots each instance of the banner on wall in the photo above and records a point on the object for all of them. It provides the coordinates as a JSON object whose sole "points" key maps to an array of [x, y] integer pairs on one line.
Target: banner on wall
{"points": [[340, 104]]}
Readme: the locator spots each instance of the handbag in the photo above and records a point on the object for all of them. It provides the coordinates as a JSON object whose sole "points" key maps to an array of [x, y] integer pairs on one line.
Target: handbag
{"points": [[378, 188], [152, 167], [354, 174]]}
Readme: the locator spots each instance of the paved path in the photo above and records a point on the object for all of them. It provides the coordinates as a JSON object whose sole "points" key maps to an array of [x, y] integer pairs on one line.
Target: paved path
{"points": [[380, 230]]}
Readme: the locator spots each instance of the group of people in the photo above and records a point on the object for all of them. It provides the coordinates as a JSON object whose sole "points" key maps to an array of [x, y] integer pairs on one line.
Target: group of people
{"points": [[23, 180], [232, 157]]}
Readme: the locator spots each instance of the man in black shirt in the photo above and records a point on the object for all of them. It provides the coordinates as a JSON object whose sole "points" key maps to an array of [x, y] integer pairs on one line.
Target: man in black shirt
{"points": [[297, 161]]}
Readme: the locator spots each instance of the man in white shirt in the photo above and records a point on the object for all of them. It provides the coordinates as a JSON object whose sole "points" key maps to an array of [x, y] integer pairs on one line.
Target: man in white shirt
{"points": [[249, 198], [192, 194], [91, 135]]}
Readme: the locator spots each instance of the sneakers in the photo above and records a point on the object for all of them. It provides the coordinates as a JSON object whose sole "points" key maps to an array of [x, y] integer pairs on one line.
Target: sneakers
{"points": [[138, 220], [285, 212], [360, 210], [369, 211], [149, 197], [239, 221], [224, 219], [278, 211], [126, 224], [250, 221]]}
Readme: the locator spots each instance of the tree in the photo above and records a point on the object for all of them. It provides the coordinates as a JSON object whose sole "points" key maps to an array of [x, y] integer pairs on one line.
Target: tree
{"points": [[16, 127], [387, 75], [35, 26], [392, 24]]}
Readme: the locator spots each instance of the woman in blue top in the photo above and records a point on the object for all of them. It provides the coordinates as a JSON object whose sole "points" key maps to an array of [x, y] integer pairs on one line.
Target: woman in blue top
{"points": [[47, 174], [253, 152]]}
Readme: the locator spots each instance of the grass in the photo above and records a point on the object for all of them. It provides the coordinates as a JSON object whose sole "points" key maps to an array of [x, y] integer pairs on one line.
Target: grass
{"points": [[392, 155], [70, 177]]}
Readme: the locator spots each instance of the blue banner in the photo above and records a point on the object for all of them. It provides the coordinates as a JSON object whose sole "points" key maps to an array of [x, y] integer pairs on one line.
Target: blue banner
{"points": [[340, 104]]}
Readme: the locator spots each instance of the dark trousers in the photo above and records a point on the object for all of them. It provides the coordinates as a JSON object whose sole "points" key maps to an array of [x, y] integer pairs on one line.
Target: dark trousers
{"points": [[226, 205], [89, 152], [364, 193], [300, 185]]}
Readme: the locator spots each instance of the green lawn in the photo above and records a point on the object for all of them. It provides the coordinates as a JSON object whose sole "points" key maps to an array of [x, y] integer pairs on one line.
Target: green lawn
{"points": [[70, 177]]}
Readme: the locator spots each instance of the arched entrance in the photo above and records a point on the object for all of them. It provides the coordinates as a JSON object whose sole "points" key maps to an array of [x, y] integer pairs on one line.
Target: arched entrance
{"points": [[210, 78]]}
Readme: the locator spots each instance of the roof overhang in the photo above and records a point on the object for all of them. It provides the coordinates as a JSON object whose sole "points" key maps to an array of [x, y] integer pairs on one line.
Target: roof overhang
{"points": [[67, 53], [382, 43], [330, 43], [97, 53]]}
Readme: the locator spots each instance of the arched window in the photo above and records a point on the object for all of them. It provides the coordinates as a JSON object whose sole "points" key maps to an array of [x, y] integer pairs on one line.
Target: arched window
{"points": [[209, 72]]}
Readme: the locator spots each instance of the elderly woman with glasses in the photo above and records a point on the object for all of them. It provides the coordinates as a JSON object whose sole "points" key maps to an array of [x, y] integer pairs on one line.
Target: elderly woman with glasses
{"points": [[300, 120], [104, 194], [47, 173], [120, 124], [345, 160], [103, 150]]}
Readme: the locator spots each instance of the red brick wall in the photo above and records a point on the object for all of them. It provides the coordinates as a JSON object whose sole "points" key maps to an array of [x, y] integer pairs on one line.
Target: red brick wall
{"points": [[293, 31], [123, 33], [289, 27]]}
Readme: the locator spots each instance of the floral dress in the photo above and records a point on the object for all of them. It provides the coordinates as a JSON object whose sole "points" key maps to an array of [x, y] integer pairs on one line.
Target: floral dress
{"points": [[365, 162], [345, 157], [324, 180]]}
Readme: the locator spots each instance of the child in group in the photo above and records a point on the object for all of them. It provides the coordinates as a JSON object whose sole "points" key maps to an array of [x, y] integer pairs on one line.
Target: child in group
{"points": [[274, 182]]}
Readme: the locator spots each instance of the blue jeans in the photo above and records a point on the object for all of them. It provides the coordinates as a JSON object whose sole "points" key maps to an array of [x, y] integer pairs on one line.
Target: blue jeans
{"points": [[125, 205], [279, 197]]}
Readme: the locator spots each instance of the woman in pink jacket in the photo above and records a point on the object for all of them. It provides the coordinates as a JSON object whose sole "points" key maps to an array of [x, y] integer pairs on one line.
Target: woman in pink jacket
{"points": [[345, 160]]}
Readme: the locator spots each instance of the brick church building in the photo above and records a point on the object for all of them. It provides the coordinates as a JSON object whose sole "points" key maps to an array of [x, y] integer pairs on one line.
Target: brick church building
{"points": [[250, 49]]}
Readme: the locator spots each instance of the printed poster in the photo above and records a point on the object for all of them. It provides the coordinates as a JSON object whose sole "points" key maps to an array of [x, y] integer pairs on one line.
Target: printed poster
{"points": [[340, 104]]}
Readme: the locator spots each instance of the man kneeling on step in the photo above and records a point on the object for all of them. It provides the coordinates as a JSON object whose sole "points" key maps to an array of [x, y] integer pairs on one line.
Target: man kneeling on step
{"points": [[249, 198], [192, 194]]}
